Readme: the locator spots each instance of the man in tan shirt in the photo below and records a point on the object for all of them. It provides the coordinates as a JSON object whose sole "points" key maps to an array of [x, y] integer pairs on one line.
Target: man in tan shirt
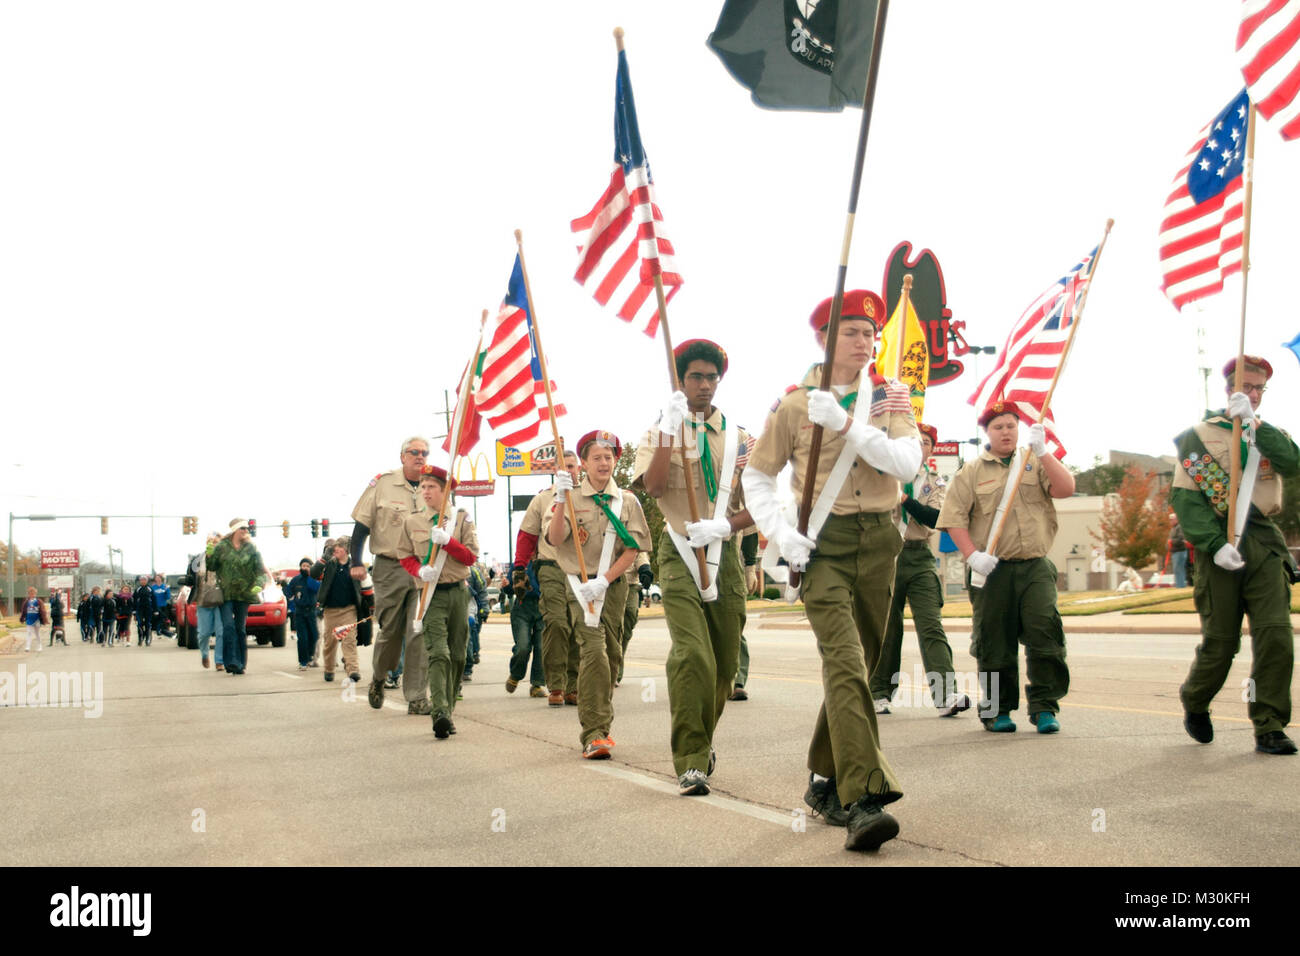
{"points": [[611, 529], [870, 445], [380, 515], [1017, 602], [560, 655]]}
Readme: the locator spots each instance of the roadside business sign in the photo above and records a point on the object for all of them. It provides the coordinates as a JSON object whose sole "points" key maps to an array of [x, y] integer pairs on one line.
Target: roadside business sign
{"points": [[62, 558]]}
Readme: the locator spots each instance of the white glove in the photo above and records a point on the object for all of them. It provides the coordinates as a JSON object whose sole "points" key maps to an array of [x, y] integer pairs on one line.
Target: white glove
{"points": [[899, 457], [1239, 407], [1229, 558], [704, 532], [593, 590], [795, 548], [439, 536], [981, 562], [563, 485], [674, 413], [426, 572], [1038, 440], [824, 410]]}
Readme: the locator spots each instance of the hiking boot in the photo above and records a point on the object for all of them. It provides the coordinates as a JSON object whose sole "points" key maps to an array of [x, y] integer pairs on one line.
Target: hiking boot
{"points": [[442, 726], [329, 676], [571, 699], [954, 705], [376, 694], [420, 708], [693, 783], [1198, 726], [1045, 721], [355, 678], [738, 693], [824, 800], [555, 698], [869, 825], [537, 692], [1275, 742], [511, 685]]}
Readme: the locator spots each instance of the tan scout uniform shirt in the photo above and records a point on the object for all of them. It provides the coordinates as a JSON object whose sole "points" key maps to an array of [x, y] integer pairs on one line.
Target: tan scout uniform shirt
{"points": [[973, 498], [631, 576], [416, 533], [928, 489], [592, 523], [788, 438], [674, 504], [384, 507], [539, 508], [1267, 495]]}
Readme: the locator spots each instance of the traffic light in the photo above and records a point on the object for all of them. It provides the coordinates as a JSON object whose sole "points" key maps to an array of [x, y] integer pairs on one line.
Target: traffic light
{"points": [[325, 527], [284, 526], [103, 526], [315, 528], [252, 527], [185, 524], [194, 524]]}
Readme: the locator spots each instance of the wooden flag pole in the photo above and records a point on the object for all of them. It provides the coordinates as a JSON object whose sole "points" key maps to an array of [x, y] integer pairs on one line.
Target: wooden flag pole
{"points": [[902, 330], [837, 303], [1051, 389], [1234, 477], [462, 412], [550, 411]]}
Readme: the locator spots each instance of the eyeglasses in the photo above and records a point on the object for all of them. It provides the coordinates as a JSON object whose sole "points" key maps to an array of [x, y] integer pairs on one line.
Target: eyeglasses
{"points": [[698, 377], [1257, 389], [418, 452]]}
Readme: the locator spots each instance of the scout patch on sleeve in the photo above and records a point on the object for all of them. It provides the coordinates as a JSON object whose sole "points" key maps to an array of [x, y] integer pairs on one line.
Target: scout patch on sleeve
{"points": [[375, 480], [788, 390]]}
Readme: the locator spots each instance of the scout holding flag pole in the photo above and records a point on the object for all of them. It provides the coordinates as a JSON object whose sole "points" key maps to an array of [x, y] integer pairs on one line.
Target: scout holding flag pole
{"points": [[1235, 527]]}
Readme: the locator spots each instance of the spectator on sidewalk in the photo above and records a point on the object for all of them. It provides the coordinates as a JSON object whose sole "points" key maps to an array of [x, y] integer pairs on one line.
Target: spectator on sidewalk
{"points": [[56, 618], [34, 614], [1178, 552]]}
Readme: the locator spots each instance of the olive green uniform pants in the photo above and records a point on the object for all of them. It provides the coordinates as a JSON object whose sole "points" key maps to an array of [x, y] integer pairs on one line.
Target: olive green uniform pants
{"points": [[397, 596], [705, 649], [1017, 605], [446, 635], [846, 591], [916, 583], [742, 671], [1262, 590], [630, 615], [601, 656], [560, 653]]}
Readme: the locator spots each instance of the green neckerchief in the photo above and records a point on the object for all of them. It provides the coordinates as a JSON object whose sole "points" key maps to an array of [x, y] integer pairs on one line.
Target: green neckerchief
{"points": [[429, 557], [619, 528], [706, 456], [1223, 413], [845, 403]]}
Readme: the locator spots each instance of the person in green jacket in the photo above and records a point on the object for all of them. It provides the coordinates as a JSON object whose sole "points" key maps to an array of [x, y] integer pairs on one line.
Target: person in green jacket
{"points": [[242, 573]]}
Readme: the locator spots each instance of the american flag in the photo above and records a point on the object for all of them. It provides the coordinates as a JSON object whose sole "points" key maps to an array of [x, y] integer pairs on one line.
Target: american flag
{"points": [[1034, 349], [625, 227], [1200, 238], [1270, 59], [508, 389]]}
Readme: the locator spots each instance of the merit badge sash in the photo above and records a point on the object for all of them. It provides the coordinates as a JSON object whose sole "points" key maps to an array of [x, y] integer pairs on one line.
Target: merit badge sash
{"points": [[976, 579], [592, 618], [712, 554]]}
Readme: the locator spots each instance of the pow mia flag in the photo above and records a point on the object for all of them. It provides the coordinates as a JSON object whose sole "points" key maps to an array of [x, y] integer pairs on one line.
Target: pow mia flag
{"points": [[797, 54]]}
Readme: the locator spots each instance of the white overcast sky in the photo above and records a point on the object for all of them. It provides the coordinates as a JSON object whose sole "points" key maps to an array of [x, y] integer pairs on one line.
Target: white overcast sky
{"points": [[244, 245]]}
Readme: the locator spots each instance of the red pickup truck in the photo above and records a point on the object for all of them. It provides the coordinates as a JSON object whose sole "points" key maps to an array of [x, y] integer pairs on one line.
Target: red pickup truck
{"points": [[267, 621]]}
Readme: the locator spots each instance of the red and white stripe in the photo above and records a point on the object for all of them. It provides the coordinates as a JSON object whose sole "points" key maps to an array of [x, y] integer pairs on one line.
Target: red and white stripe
{"points": [[507, 394], [610, 249], [1199, 244], [1269, 54]]}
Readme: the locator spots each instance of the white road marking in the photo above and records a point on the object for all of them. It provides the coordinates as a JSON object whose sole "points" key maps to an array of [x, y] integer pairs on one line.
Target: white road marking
{"points": [[290, 676], [391, 706], [722, 803]]}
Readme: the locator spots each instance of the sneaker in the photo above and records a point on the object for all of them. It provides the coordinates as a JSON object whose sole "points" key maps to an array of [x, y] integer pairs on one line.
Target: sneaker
{"points": [[459, 695], [391, 683], [301, 667], [824, 800], [466, 679], [713, 761], [221, 667], [693, 783], [571, 699], [355, 678], [869, 825], [314, 664], [1198, 726], [1275, 742], [420, 708], [1001, 724], [1045, 721], [376, 694], [537, 692], [596, 750], [511, 685], [555, 698], [442, 726], [954, 705], [882, 705], [738, 693], [329, 677], [476, 660]]}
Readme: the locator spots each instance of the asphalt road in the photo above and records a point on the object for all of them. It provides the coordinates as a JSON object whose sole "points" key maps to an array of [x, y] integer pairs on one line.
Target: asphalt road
{"points": [[187, 766]]}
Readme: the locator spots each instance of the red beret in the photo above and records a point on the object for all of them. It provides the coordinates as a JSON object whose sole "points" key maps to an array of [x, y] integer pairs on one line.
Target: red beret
{"points": [[602, 436], [929, 430], [858, 304], [681, 350], [994, 410], [1230, 369], [436, 472]]}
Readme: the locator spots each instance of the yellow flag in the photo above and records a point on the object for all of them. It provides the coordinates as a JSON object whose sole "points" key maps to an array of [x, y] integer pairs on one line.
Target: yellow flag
{"points": [[915, 371]]}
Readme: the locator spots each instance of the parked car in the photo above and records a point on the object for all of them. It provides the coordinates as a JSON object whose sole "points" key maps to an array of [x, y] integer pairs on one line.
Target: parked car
{"points": [[268, 620]]}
